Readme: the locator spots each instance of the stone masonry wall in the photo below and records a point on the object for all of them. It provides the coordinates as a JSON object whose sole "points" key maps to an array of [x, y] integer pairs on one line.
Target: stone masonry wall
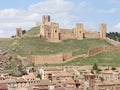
{"points": [[101, 49], [51, 59], [67, 34], [95, 51]]}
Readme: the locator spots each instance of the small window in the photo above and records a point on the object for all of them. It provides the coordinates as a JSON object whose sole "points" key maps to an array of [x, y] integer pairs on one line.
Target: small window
{"points": [[55, 31]]}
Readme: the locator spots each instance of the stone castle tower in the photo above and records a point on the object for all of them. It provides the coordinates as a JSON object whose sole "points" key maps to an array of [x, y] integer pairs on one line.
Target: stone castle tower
{"points": [[55, 30], [18, 32], [79, 31], [103, 31], [48, 29], [46, 19]]}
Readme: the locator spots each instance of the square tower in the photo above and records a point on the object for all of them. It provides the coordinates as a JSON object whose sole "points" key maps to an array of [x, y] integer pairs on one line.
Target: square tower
{"points": [[79, 31], [46, 19], [55, 30], [18, 32], [103, 31]]}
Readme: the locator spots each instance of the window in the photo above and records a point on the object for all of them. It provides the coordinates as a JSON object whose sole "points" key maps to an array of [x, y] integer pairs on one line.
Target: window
{"points": [[55, 31]]}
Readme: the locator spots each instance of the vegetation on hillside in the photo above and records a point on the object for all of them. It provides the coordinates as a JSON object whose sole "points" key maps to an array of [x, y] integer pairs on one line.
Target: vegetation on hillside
{"points": [[114, 35], [36, 46], [110, 58], [33, 31]]}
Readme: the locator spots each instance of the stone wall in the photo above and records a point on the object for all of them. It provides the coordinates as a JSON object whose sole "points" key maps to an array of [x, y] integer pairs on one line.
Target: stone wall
{"points": [[111, 48], [101, 49], [51, 31], [71, 34], [51, 59], [67, 34], [95, 51], [91, 34], [113, 42]]}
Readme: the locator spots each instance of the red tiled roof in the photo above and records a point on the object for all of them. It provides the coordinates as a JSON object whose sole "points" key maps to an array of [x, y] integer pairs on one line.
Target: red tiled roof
{"points": [[3, 86]]}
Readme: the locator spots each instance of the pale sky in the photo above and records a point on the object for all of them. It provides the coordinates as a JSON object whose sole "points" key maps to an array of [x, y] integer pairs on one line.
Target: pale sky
{"points": [[25, 14]]}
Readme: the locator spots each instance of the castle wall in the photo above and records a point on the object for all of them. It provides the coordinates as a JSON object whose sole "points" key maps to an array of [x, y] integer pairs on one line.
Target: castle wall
{"points": [[42, 32], [90, 34], [67, 34], [51, 59], [53, 34], [101, 49], [95, 51]]}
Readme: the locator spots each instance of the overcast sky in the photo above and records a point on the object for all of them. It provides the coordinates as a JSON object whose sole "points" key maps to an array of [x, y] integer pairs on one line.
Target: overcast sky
{"points": [[25, 14]]}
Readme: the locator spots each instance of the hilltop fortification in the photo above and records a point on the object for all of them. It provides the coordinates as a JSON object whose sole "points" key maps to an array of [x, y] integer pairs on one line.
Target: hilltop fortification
{"points": [[53, 32]]}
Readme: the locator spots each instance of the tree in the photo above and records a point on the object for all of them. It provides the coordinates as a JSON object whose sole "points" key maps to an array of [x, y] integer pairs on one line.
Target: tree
{"points": [[13, 36], [39, 76], [46, 64], [113, 68], [95, 66], [92, 72], [23, 32]]}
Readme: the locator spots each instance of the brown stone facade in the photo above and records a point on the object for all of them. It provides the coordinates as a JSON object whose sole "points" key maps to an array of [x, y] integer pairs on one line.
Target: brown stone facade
{"points": [[51, 59], [55, 31], [46, 19], [52, 31], [95, 51], [67, 34], [90, 34], [19, 32], [103, 31], [89, 82], [79, 31], [101, 49]]}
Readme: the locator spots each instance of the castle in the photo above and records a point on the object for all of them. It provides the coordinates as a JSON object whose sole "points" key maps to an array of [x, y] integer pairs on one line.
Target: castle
{"points": [[54, 33]]}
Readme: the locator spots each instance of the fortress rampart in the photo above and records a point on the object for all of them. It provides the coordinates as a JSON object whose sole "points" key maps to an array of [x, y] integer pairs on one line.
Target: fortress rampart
{"points": [[51, 59], [51, 30]]}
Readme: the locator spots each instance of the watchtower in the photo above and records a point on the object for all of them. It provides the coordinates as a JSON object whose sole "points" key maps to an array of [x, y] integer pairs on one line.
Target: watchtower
{"points": [[55, 30], [45, 19], [103, 31], [18, 32], [79, 31]]}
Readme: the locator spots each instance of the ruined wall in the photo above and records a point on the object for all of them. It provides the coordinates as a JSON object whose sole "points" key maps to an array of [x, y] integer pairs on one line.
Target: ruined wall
{"points": [[51, 59], [91, 34], [67, 34]]}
